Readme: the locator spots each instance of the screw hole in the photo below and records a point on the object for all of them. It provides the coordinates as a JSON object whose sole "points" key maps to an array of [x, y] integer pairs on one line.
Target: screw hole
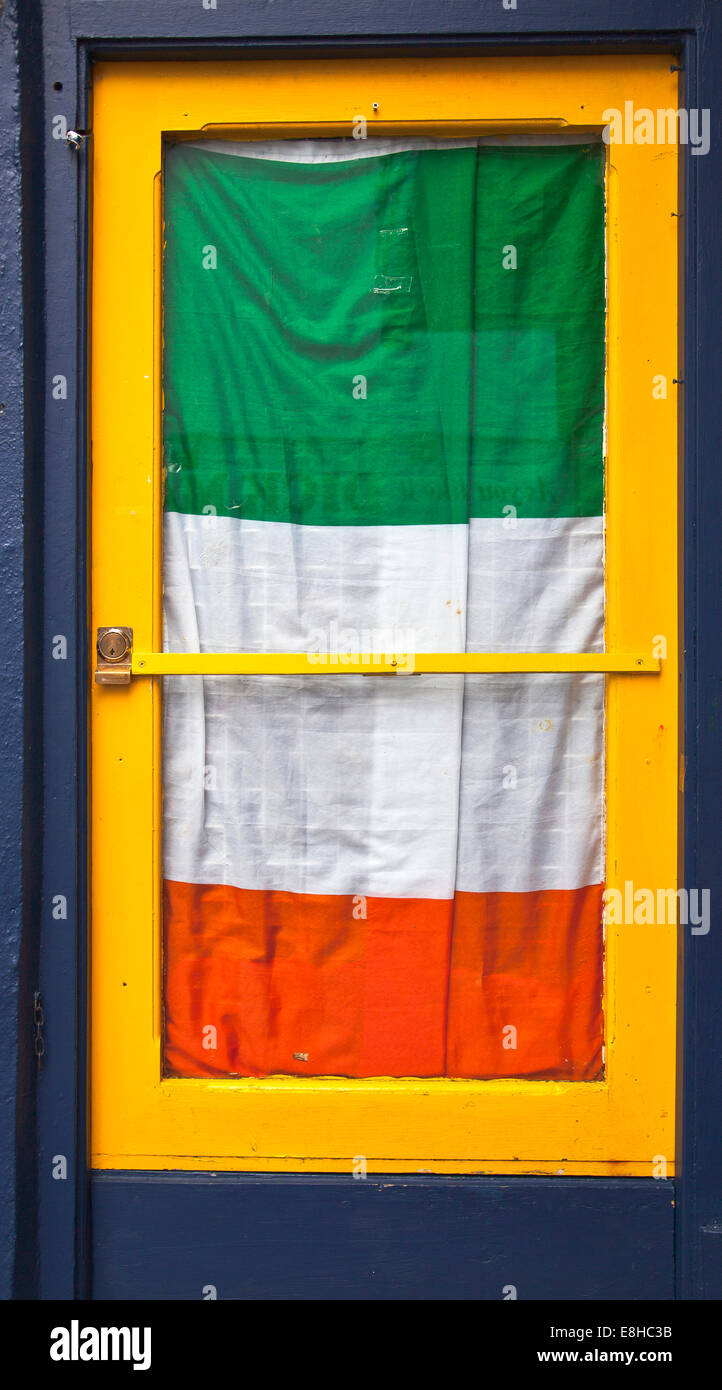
{"points": [[57, 86]]}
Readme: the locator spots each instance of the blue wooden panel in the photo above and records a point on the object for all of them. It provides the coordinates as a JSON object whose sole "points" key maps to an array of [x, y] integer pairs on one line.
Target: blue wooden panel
{"points": [[711, 1240], [12, 583], [273, 1236], [700, 1158], [376, 19], [591, 1238], [59, 844]]}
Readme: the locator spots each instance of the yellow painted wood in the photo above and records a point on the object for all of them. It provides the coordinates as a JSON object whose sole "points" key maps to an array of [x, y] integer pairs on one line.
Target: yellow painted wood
{"points": [[401, 663], [625, 1124]]}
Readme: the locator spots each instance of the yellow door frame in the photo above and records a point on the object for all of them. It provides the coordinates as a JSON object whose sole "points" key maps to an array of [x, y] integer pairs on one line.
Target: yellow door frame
{"points": [[625, 1123]]}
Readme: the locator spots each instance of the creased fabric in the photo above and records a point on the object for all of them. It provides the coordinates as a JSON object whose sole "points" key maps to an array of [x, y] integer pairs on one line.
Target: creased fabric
{"points": [[383, 411]]}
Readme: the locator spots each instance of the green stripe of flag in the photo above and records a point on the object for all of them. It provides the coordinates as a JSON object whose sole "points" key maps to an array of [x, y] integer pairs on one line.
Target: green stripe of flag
{"points": [[484, 385]]}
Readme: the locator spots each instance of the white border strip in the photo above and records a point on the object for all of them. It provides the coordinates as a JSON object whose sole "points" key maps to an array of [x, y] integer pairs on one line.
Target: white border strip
{"points": [[344, 149]]}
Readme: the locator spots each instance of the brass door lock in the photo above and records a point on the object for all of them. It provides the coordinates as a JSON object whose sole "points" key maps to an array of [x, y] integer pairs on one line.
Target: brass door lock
{"points": [[114, 647]]}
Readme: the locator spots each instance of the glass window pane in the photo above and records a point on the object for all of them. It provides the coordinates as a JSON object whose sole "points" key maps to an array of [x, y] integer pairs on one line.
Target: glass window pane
{"points": [[383, 431]]}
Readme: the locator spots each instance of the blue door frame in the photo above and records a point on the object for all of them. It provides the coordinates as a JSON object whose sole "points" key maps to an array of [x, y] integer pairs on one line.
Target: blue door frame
{"points": [[316, 1236]]}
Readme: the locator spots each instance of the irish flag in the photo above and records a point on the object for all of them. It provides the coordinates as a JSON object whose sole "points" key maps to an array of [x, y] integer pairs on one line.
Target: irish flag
{"points": [[384, 398]]}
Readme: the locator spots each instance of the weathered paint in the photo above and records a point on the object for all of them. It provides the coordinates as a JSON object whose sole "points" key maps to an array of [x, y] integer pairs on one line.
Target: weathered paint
{"points": [[143, 1120], [175, 27], [11, 581], [413, 1238], [20, 688]]}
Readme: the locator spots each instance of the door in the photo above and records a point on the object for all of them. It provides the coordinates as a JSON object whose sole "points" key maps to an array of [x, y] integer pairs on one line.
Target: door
{"points": [[385, 703]]}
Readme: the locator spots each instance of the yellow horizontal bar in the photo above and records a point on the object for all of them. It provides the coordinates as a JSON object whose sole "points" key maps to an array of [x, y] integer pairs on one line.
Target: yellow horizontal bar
{"points": [[382, 663]]}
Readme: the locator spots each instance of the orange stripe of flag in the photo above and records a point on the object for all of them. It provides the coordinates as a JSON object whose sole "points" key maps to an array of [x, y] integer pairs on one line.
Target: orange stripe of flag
{"points": [[261, 983]]}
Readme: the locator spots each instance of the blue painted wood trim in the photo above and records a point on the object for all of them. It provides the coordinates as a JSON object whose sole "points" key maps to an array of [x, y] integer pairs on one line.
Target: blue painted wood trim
{"points": [[360, 19], [273, 1236], [12, 584], [31, 753], [72, 35], [700, 1212], [62, 1095], [21, 300]]}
